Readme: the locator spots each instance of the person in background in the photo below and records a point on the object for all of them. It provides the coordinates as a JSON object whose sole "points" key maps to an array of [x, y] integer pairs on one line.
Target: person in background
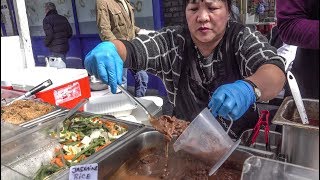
{"points": [[298, 23], [57, 30], [211, 62], [285, 50], [115, 20]]}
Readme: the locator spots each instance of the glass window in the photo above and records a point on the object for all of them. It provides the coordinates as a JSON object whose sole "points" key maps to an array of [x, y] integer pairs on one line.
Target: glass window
{"points": [[36, 14], [143, 13], [86, 13], [8, 26]]}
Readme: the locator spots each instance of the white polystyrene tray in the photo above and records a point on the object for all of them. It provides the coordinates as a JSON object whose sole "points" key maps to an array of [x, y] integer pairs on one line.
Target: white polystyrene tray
{"points": [[111, 104]]}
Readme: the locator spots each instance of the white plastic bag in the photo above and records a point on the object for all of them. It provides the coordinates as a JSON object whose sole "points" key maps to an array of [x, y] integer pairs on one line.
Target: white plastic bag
{"points": [[55, 62]]}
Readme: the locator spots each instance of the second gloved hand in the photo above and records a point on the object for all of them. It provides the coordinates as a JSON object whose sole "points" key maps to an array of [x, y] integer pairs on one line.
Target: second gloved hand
{"points": [[232, 99], [104, 63]]}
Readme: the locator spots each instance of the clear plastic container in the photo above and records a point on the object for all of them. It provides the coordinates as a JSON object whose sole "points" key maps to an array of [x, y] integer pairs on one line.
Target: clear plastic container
{"points": [[207, 140], [256, 168]]}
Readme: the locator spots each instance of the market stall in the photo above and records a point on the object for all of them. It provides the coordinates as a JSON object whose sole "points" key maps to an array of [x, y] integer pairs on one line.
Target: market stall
{"points": [[138, 150], [65, 130]]}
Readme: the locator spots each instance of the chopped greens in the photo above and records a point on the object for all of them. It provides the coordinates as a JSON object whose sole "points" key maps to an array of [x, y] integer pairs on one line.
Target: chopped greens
{"points": [[80, 137]]}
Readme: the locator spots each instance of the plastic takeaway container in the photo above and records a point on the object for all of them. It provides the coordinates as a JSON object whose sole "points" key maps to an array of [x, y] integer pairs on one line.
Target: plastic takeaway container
{"points": [[256, 168], [206, 139]]}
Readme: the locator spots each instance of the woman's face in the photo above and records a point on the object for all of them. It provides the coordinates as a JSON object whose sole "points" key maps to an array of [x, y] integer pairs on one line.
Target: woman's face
{"points": [[207, 19]]}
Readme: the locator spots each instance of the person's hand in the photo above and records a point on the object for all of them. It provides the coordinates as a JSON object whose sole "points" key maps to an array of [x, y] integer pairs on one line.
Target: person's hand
{"points": [[104, 63], [232, 99]]}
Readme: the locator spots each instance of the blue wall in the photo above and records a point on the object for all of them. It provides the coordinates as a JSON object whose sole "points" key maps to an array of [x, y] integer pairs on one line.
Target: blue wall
{"points": [[81, 44]]}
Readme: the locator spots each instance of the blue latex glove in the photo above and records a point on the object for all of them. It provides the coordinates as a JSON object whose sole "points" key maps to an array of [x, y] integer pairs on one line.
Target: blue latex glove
{"points": [[232, 99], [104, 63]]}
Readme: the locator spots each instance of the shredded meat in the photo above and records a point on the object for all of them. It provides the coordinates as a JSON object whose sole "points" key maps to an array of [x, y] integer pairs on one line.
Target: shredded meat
{"points": [[24, 110], [169, 126]]}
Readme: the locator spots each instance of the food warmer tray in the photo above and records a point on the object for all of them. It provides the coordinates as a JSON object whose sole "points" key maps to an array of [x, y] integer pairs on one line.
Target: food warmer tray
{"points": [[35, 146], [8, 130], [110, 162]]}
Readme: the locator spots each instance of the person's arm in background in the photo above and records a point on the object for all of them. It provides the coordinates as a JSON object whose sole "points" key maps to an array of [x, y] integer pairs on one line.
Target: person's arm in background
{"points": [[48, 30], [294, 25], [103, 21]]}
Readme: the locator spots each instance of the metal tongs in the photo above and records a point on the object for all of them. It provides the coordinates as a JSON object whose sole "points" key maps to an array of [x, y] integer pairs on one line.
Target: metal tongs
{"points": [[69, 114], [34, 90]]}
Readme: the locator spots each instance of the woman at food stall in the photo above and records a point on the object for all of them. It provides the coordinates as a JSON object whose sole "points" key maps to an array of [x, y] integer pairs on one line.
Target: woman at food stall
{"points": [[211, 62]]}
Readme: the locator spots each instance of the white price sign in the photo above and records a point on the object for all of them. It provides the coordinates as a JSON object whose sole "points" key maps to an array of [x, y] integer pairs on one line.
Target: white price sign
{"points": [[84, 172]]}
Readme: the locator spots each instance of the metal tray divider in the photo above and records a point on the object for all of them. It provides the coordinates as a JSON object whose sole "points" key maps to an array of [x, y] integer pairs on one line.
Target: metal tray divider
{"points": [[258, 152], [45, 118], [31, 130]]}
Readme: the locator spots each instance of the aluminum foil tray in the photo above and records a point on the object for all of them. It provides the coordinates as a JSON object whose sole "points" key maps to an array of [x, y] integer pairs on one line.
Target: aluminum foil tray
{"points": [[35, 146]]}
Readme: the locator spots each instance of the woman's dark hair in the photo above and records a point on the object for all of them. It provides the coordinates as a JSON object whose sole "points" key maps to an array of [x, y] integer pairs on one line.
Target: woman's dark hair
{"points": [[229, 4]]}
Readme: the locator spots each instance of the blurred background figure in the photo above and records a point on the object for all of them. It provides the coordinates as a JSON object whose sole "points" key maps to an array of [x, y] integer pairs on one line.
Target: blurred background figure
{"points": [[57, 33], [298, 23], [115, 20]]}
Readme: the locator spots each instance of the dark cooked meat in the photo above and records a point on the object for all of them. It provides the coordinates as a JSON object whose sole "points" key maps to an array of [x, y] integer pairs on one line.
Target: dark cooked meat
{"points": [[169, 126], [24, 110]]}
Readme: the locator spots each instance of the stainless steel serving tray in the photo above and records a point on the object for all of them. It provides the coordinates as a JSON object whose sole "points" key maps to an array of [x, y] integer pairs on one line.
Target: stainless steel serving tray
{"points": [[300, 142], [259, 147], [9, 130], [57, 111], [288, 114], [35, 146], [110, 162]]}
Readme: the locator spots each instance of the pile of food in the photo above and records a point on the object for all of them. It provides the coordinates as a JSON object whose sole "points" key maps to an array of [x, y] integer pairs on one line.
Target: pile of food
{"points": [[169, 126], [80, 137], [22, 111]]}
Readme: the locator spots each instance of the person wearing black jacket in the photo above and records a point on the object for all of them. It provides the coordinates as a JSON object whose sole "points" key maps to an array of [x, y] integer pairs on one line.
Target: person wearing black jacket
{"points": [[57, 30]]}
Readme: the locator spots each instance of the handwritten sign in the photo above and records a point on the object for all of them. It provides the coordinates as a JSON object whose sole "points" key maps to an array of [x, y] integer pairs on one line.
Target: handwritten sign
{"points": [[84, 172]]}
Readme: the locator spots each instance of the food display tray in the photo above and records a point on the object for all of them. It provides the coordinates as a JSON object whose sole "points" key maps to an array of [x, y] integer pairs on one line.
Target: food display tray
{"points": [[57, 110], [35, 147], [9, 131], [148, 138]]}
